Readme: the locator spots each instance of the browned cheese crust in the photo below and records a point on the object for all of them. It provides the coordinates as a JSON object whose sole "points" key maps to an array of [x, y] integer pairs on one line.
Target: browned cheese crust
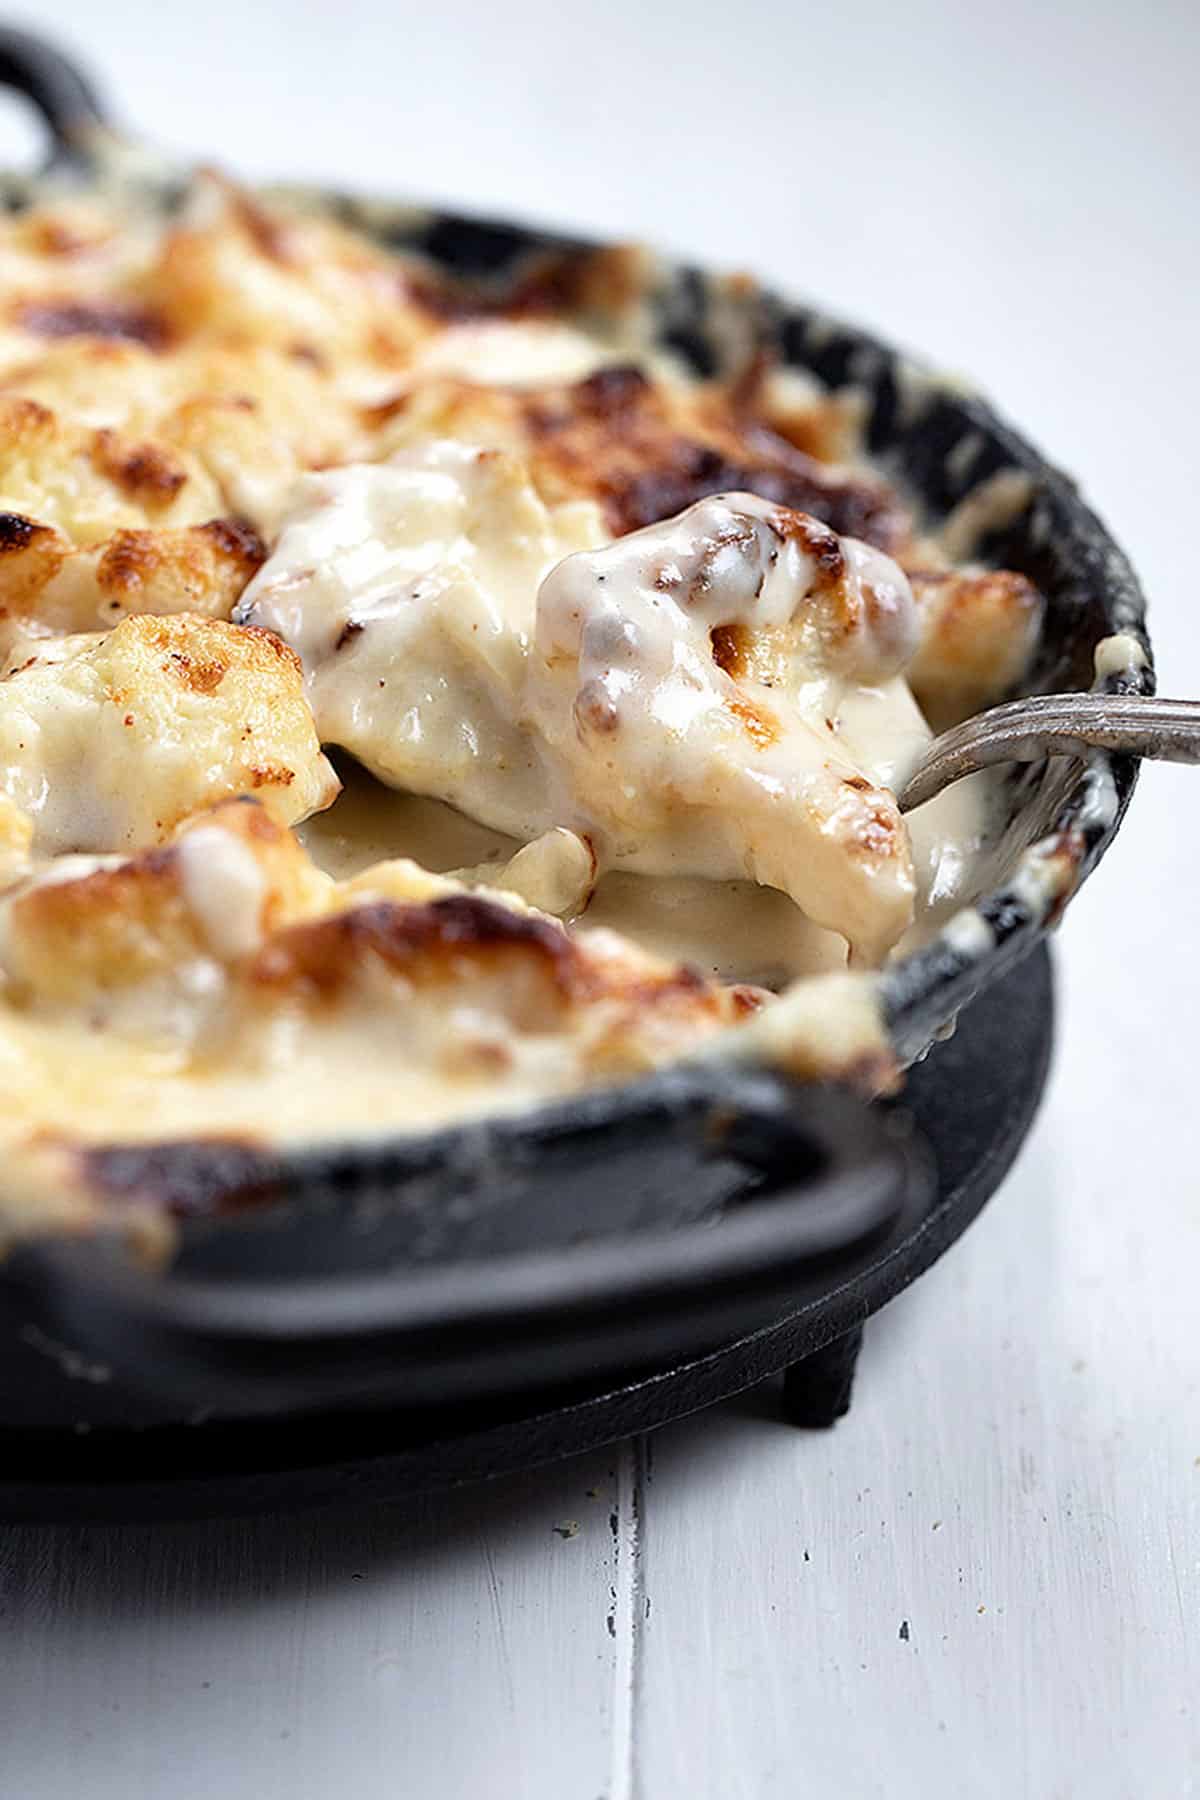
{"points": [[978, 632], [156, 380], [646, 451]]}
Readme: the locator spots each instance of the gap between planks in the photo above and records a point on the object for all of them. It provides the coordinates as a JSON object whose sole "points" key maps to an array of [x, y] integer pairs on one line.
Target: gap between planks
{"points": [[627, 1617]]}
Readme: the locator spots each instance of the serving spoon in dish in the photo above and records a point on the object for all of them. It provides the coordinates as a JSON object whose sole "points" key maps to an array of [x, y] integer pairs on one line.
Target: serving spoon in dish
{"points": [[1056, 725]]}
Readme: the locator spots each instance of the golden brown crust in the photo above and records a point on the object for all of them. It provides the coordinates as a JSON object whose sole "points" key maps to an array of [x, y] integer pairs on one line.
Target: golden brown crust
{"points": [[30, 556], [67, 943], [117, 738], [238, 272], [25, 423], [87, 482], [455, 938], [70, 939], [619, 1010], [202, 568], [146, 472], [449, 939], [978, 631], [115, 317], [646, 451], [761, 726]]}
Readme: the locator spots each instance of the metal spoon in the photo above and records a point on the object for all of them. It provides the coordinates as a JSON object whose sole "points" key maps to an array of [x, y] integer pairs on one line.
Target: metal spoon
{"points": [[1056, 725]]}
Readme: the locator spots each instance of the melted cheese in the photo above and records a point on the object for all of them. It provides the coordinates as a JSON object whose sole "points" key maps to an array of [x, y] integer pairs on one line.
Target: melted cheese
{"points": [[408, 590], [595, 699], [230, 980], [16, 841], [678, 764], [516, 352], [108, 741], [731, 929], [224, 889]]}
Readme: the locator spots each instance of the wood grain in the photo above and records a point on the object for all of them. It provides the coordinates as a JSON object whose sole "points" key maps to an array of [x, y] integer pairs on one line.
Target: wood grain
{"points": [[461, 1645]]}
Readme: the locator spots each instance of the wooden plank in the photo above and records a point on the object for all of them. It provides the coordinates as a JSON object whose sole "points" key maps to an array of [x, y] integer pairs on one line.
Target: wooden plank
{"points": [[463, 1645]]}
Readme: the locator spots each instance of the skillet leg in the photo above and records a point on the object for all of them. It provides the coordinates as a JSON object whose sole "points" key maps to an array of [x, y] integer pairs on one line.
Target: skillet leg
{"points": [[816, 1391]]}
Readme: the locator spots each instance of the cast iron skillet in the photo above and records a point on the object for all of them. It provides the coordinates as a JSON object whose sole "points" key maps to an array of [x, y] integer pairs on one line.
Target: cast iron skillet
{"points": [[673, 1211]]}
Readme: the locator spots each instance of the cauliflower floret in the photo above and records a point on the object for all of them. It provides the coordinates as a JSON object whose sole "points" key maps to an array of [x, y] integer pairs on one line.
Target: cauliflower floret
{"points": [[235, 271], [66, 492], [673, 699], [979, 629], [408, 589], [87, 483], [686, 684], [109, 740]]}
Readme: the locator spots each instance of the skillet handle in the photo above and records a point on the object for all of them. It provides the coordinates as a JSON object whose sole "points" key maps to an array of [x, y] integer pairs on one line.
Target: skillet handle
{"points": [[322, 1294], [64, 96]]}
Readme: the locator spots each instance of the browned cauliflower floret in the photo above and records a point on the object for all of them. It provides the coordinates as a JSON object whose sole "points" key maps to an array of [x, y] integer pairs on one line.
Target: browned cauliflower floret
{"points": [[645, 450], [101, 927], [68, 492], [237, 271], [978, 632], [89, 482], [108, 741]]}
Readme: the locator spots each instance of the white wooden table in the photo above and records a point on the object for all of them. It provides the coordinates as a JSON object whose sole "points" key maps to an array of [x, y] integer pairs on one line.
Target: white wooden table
{"points": [[986, 1580]]}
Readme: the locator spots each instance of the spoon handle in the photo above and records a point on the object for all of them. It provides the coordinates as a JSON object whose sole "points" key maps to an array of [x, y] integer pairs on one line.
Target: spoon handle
{"points": [[1056, 725]]}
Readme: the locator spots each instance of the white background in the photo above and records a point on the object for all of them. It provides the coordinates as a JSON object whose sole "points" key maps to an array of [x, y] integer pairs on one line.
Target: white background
{"points": [[1014, 191]]}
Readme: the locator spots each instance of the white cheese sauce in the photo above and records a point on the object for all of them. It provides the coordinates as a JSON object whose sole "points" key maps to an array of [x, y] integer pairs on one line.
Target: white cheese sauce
{"points": [[731, 929], [716, 696]]}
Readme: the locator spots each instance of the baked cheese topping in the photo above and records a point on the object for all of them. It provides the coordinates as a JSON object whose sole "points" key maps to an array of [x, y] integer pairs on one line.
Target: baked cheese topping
{"points": [[686, 684], [108, 742], [408, 589], [624, 664], [204, 987], [674, 698]]}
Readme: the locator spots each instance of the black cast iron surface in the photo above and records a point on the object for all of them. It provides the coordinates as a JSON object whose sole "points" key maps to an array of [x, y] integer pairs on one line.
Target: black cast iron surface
{"points": [[972, 1101]]}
